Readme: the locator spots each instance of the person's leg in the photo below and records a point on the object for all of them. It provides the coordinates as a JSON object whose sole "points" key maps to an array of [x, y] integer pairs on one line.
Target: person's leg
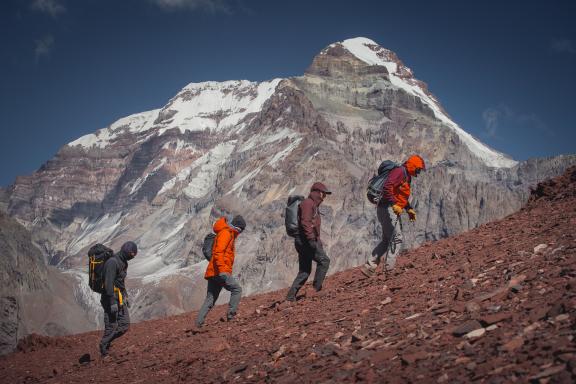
{"points": [[212, 293], [387, 226], [304, 268], [323, 262], [110, 326], [232, 285], [394, 235], [123, 321]]}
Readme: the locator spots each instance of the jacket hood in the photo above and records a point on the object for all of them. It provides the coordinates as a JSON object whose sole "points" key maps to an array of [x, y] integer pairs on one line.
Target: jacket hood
{"points": [[315, 196], [220, 224], [413, 163], [123, 257]]}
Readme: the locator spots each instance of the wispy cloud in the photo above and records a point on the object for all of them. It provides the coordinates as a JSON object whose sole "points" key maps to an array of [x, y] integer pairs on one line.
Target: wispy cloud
{"points": [[43, 47], [562, 46], [491, 116], [211, 6], [497, 118], [51, 7]]}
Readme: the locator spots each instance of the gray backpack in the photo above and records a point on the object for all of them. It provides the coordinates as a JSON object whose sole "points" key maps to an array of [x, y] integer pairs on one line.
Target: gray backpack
{"points": [[207, 245], [376, 183], [291, 215]]}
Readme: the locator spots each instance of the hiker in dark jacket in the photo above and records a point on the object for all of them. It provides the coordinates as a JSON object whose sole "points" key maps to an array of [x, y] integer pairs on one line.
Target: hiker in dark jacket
{"points": [[308, 243], [114, 300], [395, 194]]}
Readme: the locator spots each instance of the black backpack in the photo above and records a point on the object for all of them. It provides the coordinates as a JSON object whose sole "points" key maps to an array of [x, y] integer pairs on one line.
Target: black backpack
{"points": [[376, 183], [97, 256], [291, 215], [207, 245]]}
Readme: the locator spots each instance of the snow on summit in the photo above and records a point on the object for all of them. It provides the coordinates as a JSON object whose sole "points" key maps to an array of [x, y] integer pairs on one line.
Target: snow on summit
{"points": [[209, 105], [401, 77], [216, 105]]}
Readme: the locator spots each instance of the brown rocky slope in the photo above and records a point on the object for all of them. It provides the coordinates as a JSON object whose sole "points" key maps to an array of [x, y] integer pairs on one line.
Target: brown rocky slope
{"points": [[495, 304]]}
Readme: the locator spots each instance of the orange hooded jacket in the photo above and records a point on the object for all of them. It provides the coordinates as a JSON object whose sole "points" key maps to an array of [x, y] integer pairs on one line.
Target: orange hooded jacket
{"points": [[223, 250], [396, 189]]}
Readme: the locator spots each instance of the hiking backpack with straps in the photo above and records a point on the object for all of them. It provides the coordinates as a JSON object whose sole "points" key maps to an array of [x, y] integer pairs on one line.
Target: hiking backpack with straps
{"points": [[376, 183], [291, 215], [207, 245], [97, 256]]}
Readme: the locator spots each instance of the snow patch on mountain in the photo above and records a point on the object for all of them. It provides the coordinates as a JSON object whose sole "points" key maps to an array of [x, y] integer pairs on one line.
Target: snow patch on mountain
{"points": [[139, 122], [141, 180], [85, 296], [238, 185], [207, 166], [216, 106], [401, 77], [285, 152], [98, 231], [258, 140]]}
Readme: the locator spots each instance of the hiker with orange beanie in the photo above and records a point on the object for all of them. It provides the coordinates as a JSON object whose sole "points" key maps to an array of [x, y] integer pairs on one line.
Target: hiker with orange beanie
{"points": [[394, 201]]}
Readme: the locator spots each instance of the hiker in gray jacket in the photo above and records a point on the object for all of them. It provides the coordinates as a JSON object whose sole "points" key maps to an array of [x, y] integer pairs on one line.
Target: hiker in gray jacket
{"points": [[114, 300]]}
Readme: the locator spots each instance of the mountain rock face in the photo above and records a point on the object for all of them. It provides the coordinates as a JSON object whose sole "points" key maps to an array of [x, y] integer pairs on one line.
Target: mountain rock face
{"points": [[496, 304], [34, 298], [162, 177]]}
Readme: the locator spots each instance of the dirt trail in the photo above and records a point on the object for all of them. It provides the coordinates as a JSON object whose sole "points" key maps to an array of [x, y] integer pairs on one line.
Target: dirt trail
{"points": [[495, 304]]}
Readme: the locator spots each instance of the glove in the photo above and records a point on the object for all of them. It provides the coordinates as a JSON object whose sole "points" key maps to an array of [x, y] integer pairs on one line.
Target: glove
{"points": [[114, 309], [397, 210], [412, 214]]}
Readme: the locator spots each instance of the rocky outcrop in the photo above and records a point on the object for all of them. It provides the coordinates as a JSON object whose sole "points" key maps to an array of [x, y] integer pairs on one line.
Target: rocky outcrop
{"points": [[161, 177], [34, 297]]}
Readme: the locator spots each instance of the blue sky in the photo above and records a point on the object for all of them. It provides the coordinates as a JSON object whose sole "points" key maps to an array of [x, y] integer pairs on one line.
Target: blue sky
{"points": [[505, 71]]}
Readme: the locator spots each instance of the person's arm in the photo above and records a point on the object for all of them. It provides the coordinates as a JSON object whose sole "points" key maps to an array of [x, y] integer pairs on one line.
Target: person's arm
{"points": [[394, 180], [307, 219], [221, 242], [110, 272]]}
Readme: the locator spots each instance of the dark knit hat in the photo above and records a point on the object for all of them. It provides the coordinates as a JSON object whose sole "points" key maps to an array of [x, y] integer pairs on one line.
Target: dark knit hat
{"points": [[239, 222], [129, 247]]}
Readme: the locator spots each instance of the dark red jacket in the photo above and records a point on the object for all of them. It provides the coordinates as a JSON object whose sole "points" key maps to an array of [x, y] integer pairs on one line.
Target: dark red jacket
{"points": [[309, 216]]}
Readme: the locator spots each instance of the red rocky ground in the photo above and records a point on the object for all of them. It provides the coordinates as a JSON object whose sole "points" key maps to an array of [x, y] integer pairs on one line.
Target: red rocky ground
{"points": [[496, 304]]}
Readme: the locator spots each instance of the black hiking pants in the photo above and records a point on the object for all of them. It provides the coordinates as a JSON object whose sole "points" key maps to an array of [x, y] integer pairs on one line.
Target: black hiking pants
{"points": [[307, 254], [114, 325]]}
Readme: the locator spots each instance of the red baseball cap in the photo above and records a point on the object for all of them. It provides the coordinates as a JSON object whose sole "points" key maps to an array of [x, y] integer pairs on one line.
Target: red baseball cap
{"points": [[317, 186]]}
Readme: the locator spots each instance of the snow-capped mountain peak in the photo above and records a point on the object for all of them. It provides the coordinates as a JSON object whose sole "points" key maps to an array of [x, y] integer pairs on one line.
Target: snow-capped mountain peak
{"points": [[401, 77]]}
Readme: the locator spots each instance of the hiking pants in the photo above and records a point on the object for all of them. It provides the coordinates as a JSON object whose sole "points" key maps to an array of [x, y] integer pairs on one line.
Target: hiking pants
{"points": [[391, 242], [305, 256], [215, 285], [114, 325]]}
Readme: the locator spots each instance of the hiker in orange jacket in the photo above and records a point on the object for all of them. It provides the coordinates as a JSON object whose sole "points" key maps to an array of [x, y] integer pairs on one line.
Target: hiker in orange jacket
{"points": [[219, 270], [394, 201]]}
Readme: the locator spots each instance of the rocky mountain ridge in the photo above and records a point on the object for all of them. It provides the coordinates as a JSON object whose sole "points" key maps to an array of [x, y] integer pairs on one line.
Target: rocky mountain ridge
{"points": [[161, 177], [494, 304]]}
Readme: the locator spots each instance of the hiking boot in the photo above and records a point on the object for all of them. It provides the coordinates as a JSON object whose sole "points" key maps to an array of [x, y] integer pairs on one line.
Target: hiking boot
{"points": [[367, 271], [103, 351], [291, 298]]}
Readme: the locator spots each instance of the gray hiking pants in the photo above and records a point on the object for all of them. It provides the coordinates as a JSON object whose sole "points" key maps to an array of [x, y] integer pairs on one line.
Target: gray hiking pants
{"points": [[115, 325], [391, 242], [215, 285], [307, 254]]}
